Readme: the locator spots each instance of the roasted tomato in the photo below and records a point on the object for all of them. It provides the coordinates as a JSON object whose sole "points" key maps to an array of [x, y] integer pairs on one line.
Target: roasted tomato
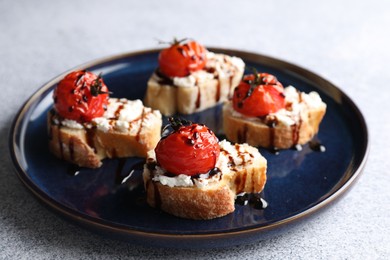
{"points": [[258, 95], [182, 58], [81, 96], [190, 149]]}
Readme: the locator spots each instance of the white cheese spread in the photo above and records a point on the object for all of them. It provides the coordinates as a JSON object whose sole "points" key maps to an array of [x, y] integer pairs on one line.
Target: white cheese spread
{"points": [[119, 115], [231, 156], [224, 65], [71, 124]]}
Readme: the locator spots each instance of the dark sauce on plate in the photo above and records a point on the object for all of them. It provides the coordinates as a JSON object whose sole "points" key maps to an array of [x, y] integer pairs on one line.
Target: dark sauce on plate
{"points": [[316, 146], [253, 200]]}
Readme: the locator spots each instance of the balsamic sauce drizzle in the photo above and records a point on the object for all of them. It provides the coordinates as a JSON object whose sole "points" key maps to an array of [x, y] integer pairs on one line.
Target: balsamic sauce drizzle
{"points": [[132, 177], [198, 99], [218, 91], [164, 80], [253, 200], [316, 146], [272, 122], [140, 126], [242, 135], [73, 170], [119, 178]]}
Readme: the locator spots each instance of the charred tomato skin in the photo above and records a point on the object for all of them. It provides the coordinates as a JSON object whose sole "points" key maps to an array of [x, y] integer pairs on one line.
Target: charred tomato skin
{"points": [[81, 96], [182, 58], [260, 97], [190, 150]]}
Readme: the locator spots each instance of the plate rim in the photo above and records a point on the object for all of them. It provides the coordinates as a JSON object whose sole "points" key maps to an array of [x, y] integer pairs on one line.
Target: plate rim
{"points": [[110, 227]]}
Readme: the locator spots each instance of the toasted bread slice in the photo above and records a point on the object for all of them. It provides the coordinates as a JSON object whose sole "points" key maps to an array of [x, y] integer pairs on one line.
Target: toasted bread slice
{"points": [[198, 91], [296, 124], [126, 129], [239, 169]]}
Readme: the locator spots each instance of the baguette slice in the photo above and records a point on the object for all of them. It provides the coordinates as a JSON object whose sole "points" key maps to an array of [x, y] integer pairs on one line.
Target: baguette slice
{"points": [[296, 124], [126, 129], [200, 90], [239, 169]]}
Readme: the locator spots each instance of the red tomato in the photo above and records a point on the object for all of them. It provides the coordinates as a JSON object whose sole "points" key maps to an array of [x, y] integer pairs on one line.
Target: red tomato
{"points": [[81, 96], [189, 150], [180, 59], [258, 96]]}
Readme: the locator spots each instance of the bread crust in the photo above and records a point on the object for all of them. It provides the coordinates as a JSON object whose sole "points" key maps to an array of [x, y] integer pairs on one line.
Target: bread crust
{"points": [[214, 88], [189, 202], [214, 200], [275, 135], [118, 144], [72, 145], [87, 145]]}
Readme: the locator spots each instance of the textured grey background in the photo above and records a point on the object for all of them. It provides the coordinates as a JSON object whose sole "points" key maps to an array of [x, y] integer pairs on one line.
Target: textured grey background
{"points": [[346, 42]]}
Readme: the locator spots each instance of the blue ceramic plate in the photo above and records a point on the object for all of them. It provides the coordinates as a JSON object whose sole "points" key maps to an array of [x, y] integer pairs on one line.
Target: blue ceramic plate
{"points": [[299, 182]]}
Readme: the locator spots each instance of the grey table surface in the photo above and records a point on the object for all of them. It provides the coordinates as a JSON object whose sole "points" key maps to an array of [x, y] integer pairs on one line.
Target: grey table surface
{"points": [[346, 42]]}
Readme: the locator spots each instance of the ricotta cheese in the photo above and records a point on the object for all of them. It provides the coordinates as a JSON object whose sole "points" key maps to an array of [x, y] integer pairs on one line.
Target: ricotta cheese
{"points": [[119, 115], [223, 64], [71, 124], [231, 156]]}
